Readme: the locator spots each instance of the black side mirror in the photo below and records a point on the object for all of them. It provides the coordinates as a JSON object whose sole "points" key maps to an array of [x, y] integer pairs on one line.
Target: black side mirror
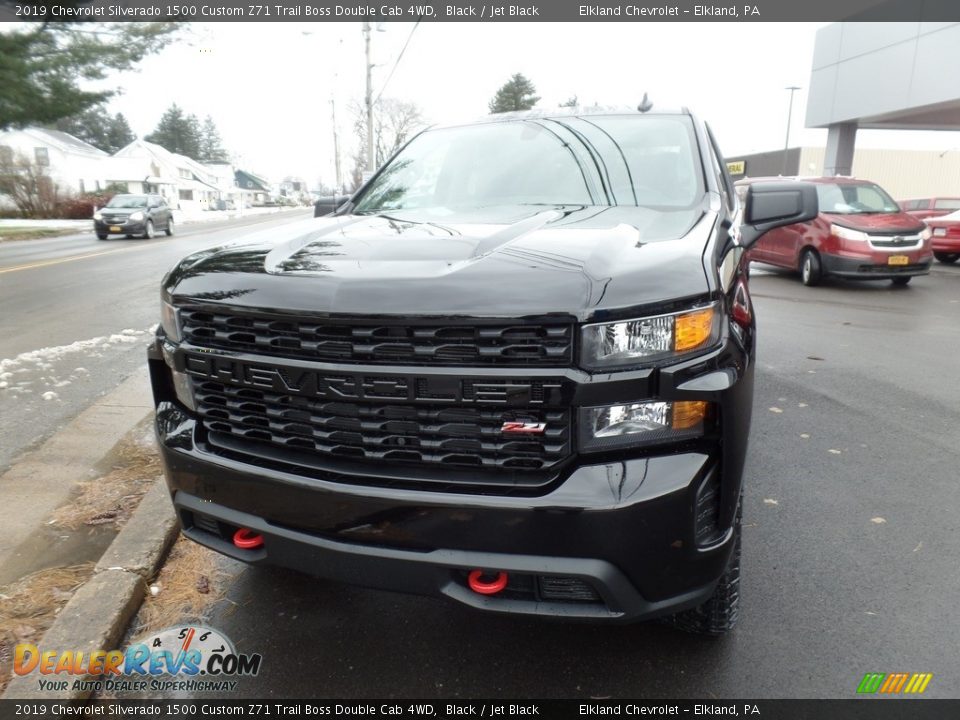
{"points": [[770, 205]]}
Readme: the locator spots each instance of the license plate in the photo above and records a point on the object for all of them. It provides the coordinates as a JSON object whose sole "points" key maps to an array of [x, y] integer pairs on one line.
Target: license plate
{"points": [[898, 260], [116, 228]]}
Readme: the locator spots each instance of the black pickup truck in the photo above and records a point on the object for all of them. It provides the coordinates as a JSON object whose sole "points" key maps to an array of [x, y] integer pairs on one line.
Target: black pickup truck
{"points": [[515, 370]]}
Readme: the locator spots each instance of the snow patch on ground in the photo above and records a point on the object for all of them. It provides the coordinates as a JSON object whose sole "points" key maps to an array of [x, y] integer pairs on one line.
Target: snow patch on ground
{"points": [[43, 360]]}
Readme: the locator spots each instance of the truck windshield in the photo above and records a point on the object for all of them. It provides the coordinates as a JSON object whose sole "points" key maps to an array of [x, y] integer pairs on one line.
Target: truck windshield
{"points": [[586, 160], [850, 199]]}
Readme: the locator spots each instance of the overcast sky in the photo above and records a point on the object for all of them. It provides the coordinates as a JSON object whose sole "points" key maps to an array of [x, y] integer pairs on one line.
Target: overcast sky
{"points": [[268, 86]]}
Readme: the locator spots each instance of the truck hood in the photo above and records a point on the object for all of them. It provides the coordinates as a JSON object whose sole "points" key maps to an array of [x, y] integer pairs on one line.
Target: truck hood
{"points": [[501, 262]]}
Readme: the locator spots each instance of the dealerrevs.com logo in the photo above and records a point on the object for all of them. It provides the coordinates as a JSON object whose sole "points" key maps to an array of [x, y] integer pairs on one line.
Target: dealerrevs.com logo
{"points": [[191, 658], [894, 683]]}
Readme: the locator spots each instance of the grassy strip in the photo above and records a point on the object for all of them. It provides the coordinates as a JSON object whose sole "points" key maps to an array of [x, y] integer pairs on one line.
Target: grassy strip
{"points": [[28, 233], [29, 606]]}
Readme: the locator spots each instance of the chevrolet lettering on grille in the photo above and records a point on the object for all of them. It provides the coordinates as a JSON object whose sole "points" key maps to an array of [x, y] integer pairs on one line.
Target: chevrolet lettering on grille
{"points": [[307, 382]]}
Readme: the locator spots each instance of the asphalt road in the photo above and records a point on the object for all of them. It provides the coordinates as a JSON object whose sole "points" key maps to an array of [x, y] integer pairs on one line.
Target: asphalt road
{"points": [[850, 545], [75, 317]]}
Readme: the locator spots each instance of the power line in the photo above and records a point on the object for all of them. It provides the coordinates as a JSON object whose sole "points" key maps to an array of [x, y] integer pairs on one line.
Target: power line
{"points": [[397, 62]]}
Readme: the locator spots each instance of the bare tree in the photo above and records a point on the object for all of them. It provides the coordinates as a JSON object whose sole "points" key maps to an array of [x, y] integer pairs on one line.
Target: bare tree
{"points": [[29, 185], [394, 122]]}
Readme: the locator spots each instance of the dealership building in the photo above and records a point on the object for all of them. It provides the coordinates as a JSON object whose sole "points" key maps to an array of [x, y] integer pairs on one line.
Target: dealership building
{"points": [[877, 75]]}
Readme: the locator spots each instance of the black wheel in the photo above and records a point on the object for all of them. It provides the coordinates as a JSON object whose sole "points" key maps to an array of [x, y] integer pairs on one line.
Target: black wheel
{"points": [[901, 281], [947, 258], [169, 229], [719, 614], [148, 230], [101, 236], [810, 270]]}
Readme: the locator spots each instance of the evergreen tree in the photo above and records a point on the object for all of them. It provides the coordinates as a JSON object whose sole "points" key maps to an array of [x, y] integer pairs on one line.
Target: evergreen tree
{"points": [[44, 65], [95, 126], [119, 134], [211, 144], [91, 126], [518, 93], [177, 132]]}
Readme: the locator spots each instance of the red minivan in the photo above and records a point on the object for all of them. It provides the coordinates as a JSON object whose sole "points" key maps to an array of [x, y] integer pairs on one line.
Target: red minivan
{"points": [[860, 234]]}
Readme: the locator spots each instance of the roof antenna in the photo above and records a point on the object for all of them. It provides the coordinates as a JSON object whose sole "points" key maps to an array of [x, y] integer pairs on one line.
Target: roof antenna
{"points": [[645, 104]]}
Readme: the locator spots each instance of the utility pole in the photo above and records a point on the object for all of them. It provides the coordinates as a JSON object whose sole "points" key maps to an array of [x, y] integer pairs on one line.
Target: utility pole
{"points": [[336, 146], [786, 143], [369, 98]]}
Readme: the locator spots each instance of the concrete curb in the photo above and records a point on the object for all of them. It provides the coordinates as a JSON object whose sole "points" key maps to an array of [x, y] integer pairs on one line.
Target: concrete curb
{"points": [[43, 479], [97, 615]]}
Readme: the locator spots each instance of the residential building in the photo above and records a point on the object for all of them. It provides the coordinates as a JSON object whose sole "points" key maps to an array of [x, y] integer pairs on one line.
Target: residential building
{"points": [[255, 189], [75, 166]]}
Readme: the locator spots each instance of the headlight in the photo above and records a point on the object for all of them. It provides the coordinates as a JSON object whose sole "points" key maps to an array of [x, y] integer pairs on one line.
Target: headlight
{"points": [[845, 233], [98, 215], [613, 345], [937, 232], [136, 216], [170, 321], [614, 426]]}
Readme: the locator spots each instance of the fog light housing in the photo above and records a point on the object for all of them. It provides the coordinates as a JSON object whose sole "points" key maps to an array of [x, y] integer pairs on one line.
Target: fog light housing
{"points": [[170, 321], [615, 426], [183, 389]]}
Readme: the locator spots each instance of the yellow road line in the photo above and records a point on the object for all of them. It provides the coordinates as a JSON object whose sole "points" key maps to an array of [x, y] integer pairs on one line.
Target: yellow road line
{"points": [[15, 268]]}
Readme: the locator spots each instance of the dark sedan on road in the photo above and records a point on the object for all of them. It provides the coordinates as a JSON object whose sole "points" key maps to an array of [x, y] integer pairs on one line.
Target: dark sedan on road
{"points": [[133, 215]]}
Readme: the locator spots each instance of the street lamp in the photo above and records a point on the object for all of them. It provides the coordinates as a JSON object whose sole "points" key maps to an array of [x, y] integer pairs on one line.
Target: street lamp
{"points": [[786, 143]]}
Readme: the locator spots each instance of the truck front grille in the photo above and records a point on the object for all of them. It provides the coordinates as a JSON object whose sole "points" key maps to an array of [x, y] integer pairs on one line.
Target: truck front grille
{"points": [[394, 431], [479, 343]]}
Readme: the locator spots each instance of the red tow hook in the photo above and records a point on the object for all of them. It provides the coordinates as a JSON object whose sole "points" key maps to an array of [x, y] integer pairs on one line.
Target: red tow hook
{"points": [[486, 588], [247, 539]]}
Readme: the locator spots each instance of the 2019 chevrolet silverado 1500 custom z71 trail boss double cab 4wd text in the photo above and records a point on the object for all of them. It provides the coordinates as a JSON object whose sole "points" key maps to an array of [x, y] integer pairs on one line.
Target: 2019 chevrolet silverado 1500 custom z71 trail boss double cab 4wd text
{"points": [[515, 369]]}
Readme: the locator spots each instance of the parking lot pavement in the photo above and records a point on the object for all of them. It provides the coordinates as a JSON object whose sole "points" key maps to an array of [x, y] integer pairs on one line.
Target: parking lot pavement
{"points": [[851, 515]]}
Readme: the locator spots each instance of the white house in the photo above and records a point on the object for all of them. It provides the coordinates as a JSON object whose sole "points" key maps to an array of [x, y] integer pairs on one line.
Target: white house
{"points": [[75, 166], [184, 182]]}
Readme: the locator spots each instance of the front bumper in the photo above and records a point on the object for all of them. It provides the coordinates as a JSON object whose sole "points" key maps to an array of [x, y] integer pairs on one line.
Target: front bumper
{"points": [[875, 267], [626, 532], [127, 228], [627, 528]]}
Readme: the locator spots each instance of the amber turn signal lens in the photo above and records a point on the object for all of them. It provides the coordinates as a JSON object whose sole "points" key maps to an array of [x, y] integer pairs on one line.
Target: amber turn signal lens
{"points": [[688, 414], [693, 329]]}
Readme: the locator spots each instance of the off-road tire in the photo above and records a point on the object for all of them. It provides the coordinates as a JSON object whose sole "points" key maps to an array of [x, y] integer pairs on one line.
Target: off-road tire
{"points": [[719, 614]]}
